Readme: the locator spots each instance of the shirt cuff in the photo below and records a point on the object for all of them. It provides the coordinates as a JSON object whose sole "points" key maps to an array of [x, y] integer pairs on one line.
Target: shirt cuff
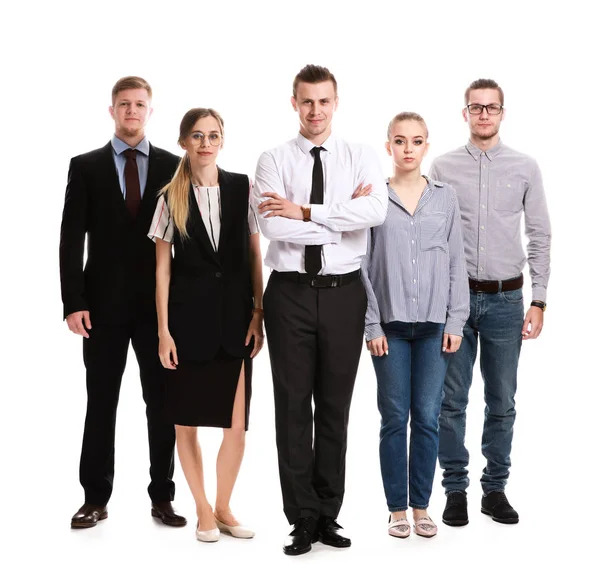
{"points": [[373, 331], [538, 293], [454, 326], [318, 214]]}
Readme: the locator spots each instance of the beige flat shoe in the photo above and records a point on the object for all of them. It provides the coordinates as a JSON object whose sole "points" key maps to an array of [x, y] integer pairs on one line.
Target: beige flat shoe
{"points": [[238, 531], [208, 536], [425, 527]]}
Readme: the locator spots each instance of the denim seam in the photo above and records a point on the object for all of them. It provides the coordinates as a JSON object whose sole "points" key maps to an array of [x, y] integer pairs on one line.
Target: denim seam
{"points": [[398, 509]]}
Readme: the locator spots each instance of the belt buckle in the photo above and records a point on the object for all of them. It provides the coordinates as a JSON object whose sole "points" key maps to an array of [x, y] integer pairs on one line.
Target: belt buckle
{"points": [[313, 282], [335, 280]]}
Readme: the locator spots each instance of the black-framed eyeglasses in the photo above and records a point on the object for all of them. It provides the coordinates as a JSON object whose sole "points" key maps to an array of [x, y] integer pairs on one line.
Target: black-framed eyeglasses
{"points": [[491, 108], [214, 138]]}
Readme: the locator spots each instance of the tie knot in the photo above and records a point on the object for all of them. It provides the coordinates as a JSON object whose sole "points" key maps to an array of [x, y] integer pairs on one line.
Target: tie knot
{"points": [[316, 151], [130, 153]]}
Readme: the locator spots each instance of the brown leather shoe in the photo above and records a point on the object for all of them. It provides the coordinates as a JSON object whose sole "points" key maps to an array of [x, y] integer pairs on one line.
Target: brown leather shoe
{"points": [[88, 515], [164, 512]]}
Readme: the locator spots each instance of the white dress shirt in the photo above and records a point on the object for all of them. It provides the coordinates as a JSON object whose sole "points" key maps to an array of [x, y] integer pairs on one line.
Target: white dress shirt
{"points": [[339, 224]]}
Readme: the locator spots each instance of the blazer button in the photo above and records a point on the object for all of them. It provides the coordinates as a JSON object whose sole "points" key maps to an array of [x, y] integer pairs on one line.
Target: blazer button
{"points": [[218, 274]]}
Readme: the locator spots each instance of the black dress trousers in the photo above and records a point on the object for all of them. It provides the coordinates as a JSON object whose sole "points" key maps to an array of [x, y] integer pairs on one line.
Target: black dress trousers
{"points": [[105, 356], [315, 338]]}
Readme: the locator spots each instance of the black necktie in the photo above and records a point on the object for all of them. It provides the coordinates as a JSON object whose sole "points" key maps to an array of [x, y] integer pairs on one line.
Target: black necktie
{"points": [[133, 196], [312, 253]]}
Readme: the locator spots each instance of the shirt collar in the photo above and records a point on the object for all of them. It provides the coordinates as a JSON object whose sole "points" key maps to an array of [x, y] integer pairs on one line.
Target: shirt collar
{"points": [[426, 192], [476, 152], [119, 146], [306, 145]]}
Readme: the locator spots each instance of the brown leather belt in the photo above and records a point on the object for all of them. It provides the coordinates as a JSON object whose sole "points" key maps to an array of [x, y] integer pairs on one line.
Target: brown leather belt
{"points": [[494, 287]]}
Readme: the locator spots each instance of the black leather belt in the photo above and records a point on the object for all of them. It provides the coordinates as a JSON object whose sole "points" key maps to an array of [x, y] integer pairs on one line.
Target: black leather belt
{"points": [[494, 287], [319, 280]]}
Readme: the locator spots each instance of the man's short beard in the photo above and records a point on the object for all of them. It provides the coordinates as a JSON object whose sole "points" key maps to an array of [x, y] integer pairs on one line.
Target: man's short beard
{"points": [[130, 133], [486, 136]]}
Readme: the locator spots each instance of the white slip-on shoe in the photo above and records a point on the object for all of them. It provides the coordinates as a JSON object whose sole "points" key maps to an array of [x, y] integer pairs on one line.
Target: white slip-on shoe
{"points": [[239, 531], [208, 536]]}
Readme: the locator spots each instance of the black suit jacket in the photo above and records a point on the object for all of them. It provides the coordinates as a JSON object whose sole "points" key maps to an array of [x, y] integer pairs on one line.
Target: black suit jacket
{"points": [[118, 279], [210, 296]]}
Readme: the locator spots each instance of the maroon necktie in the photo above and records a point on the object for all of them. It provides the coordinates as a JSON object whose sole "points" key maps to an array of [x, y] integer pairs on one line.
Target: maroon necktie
{"points": [[133, 196]]}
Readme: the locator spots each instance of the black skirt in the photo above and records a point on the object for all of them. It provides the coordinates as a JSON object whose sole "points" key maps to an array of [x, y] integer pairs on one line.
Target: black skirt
{"points": [[201, 394]]}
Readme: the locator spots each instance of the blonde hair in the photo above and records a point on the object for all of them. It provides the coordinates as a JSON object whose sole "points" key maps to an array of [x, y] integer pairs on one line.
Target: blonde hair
{"points": [[177, 191], [406, 115]]}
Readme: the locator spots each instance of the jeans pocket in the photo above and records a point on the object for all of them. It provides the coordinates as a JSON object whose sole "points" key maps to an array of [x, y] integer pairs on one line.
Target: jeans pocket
{"points": [[513, 297]]}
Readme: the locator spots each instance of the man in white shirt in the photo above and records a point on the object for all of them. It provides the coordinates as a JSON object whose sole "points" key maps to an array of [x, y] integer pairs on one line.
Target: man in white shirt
{"points": [[317, 196]]}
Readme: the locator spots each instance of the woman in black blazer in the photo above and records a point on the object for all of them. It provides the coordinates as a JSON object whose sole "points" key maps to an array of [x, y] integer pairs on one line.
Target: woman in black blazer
{"points": [[209, 305]]}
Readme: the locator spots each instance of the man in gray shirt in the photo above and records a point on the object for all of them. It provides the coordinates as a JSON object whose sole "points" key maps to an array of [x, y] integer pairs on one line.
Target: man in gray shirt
{"points": [[496, 187]]}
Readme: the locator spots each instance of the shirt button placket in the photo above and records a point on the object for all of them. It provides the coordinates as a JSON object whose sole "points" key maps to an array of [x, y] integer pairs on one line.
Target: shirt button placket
{"points": [[483, 214], [415, 288]]}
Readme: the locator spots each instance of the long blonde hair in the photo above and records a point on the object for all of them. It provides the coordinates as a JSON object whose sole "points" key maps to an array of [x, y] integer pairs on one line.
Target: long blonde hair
{"points": [[178, 189]]}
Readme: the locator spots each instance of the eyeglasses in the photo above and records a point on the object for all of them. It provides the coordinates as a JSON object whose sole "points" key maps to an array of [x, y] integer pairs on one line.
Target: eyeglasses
{"points": [[214, 138], [492, 108]]}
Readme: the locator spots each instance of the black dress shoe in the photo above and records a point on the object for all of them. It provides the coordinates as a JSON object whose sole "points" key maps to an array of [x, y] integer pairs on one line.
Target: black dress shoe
{"points": [[88, 515], [455, 513], [330, 532], [496, 505], [300, 540], [165, 513]]}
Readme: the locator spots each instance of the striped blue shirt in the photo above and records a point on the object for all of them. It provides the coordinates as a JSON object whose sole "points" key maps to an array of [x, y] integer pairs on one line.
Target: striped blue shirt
{"points": [[415, 269]]}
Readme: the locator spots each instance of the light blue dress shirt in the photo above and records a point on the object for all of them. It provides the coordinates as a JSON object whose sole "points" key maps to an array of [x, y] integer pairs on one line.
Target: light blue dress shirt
{"points": [[143, 151]]}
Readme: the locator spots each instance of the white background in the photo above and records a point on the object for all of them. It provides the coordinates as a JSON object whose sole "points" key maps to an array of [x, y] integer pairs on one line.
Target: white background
{"points": [[60, 60]]}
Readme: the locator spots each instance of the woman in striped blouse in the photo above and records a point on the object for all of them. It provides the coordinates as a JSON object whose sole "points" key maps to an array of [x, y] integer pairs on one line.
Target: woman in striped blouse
{"points": [[418, 302]]}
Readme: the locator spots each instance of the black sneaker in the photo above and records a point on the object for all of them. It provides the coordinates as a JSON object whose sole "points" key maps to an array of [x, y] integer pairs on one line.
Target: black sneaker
{"points": [[455, 513], [496, 505]]}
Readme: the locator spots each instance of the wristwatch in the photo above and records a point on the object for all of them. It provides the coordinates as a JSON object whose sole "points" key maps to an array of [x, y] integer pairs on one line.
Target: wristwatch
{"points": [[539, 304], [305, 212]]}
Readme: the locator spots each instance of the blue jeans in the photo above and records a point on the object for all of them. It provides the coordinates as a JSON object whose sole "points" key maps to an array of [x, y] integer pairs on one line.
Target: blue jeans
{"points": [[496, 320], [410, 381]]}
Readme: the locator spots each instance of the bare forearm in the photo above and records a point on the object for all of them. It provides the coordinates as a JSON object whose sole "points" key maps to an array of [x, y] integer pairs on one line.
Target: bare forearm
{"points": [[163, 280]]}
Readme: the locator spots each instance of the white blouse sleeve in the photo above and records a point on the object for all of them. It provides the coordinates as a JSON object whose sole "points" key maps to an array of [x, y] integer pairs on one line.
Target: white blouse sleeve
{"points": [[252, 220], [162, 225]]}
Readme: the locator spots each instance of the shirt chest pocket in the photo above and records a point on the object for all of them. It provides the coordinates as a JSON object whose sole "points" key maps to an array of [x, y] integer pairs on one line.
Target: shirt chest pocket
{"points": [[433, 232], [509, 195]]}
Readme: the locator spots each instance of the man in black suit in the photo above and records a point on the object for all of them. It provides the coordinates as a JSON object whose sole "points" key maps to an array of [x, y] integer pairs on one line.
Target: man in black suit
{"points": [[111, 197]]}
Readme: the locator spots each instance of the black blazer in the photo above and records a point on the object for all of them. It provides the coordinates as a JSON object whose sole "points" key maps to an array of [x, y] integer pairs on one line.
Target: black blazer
{"points": [[210, 296], [119, 275]]}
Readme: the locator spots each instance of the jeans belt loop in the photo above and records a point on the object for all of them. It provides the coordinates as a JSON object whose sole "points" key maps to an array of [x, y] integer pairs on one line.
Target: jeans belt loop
{"points": [[499, 286]]}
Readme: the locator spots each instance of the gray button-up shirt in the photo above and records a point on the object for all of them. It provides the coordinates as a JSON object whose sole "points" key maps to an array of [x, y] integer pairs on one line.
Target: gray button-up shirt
{"points": [[414, 269], [495, 189]]}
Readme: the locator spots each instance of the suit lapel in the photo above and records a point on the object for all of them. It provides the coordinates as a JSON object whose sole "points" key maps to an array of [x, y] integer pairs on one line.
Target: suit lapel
{"points": [[198, 230], [153, 182], [226, 210], [108, 171]]}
